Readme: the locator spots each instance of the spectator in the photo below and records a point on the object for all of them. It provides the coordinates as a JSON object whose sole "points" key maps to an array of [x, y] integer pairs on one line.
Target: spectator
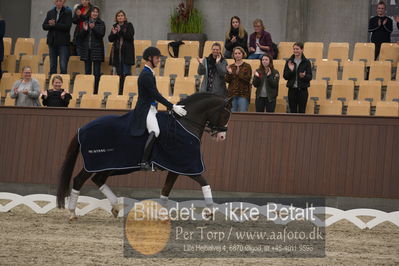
{"points": [[56, 97], [298, 73], [380, 27], [214, 69], [92, 49], [239, 79], [26, 90], [2, 33], [122, 53], [58, 24], [81, 14], [266, 80], [260, 42], [235, 36], [397, 24]]}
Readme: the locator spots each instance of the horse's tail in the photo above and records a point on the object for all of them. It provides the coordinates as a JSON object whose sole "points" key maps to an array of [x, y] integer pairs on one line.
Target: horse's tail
{"points": [[66, 172]]}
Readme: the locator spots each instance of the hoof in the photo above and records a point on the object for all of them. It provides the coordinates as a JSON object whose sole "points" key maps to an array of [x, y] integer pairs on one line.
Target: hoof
{"points": [[72, 216], [115, 211]]}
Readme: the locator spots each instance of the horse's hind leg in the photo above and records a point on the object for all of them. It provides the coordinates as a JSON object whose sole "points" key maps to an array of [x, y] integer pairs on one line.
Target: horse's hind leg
{"points": [[167, 187], [99, 179], [206, 189], [78, 182]]}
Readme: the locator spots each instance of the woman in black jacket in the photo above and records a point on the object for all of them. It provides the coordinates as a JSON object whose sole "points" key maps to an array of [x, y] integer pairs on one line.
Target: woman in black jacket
{"points": [[57, 96], [81, 14], [265, 81], [235, 36], [298, 73], [122, 53], [2, 32], [92, 49]]}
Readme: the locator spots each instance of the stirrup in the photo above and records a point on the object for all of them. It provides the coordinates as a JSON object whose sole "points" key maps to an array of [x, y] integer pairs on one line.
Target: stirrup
{"points": [[145, 166]]}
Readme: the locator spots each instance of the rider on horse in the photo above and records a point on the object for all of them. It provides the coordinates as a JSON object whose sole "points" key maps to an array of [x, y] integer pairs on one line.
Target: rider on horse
{"points": [[146, 107]]}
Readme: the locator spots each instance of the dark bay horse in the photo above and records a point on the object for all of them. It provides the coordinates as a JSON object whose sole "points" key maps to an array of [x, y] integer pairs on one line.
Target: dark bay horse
{"points": [[205, 113]]}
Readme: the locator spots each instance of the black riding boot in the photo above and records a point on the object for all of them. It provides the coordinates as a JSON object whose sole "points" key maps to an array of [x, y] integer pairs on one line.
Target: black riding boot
{"points": [[145, 164]]}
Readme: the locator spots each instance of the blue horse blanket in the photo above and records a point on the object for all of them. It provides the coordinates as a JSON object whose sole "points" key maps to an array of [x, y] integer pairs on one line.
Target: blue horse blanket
{"points": [[105, 144]]}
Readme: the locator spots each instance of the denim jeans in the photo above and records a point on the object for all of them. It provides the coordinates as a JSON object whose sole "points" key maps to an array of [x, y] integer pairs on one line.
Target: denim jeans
{"points": [[255, 56], [63, 53], [96, 70], [123, 69], [239, 104]]}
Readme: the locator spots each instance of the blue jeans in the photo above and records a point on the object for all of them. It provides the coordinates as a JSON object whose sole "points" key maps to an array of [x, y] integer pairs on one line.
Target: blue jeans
{"points": [[63, 53], [255, 56], [239, 104]]}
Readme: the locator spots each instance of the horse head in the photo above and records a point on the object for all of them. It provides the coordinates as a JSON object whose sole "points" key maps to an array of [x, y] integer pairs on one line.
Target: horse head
{"points": [[207, 112]]}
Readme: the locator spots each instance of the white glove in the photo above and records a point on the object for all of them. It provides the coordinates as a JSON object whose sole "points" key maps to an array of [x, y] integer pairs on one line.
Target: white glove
{"points": [[179, 109]]}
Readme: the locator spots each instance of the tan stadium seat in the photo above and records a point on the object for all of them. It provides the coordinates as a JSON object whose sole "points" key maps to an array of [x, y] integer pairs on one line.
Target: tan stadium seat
{"points": [[75, 65], [66, 80], [282, 88], [330, 107], [314, 51], [24, 46], [162, 45], [83, 83], [279, 66], [380, 70], [130, 85], [281, 106], [7, 45], [327, 70], [163, 85], [338, 51], [7, 81], [310, 108], [106, 68], [42, 49], [254, 63], [41, 78], [230, 61], [174, 66], [358, 108], [353, 70], [9, 63], [370, 89], [117, 102], [30, 60], [134, 102], [364, 52], [387, 109], [208, 47], [318, 88], [342, 89], [189, 48], [9, 101], [397, 72], [392, 90], [390, 52], [109, 83], [140, 46], [46, 66], [193, 67], [184, 85], [91, 101], [108, 48], [285, 50]]}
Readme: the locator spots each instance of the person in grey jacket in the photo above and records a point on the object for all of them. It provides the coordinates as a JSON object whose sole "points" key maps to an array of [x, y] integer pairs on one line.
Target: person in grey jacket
{"points": [[26, 91], [214, 68], [265, 81]]}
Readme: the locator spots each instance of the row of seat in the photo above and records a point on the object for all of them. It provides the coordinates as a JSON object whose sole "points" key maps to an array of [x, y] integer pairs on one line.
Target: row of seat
{"points": [[337, 51]]}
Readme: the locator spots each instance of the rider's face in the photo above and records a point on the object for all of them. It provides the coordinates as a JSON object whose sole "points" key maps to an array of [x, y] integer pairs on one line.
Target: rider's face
{"points": [[156, 60]]}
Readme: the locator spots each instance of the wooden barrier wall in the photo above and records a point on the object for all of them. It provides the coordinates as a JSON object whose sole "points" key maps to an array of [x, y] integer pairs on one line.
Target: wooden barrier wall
{"points": [[276, 153]]}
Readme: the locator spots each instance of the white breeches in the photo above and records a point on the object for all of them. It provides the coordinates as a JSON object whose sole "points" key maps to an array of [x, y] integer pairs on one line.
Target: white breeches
{"points": [[152, 123]]}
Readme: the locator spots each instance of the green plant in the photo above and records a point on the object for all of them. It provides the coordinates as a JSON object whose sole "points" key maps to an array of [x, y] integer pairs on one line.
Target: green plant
{"points": [[186, 20]]}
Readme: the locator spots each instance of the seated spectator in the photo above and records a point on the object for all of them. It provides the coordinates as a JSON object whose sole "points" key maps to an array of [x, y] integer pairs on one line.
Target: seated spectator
{"points": [[266, 80], [92, 49], [260, 42], [239, 79], [235, 36], [26, 90], [214, 69], [58, 23], [57, 96], [122, 54], [82, 13], [298, 73], [2, 32]]}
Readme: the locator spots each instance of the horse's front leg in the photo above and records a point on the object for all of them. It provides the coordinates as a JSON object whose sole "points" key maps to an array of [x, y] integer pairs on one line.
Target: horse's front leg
{"points": [[167, 187], [206, 189]]}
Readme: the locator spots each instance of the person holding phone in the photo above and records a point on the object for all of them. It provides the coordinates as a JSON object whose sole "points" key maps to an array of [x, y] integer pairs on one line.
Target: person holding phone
{"points": [[265, 81], [26, 90], [298, 73], [57, 96], [82, 13]]}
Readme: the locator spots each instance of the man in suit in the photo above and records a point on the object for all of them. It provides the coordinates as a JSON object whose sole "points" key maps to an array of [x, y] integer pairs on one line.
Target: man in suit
{"points": [[146, 107]]}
